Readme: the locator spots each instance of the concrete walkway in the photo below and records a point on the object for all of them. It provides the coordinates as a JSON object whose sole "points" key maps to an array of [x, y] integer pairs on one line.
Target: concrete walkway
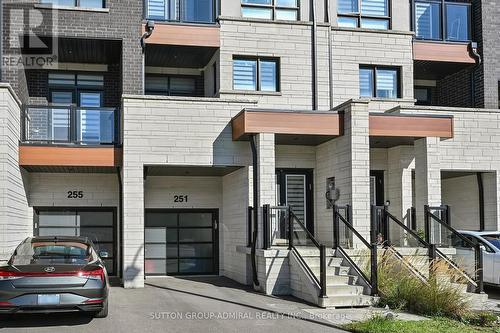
{"points": [[210, 304]]}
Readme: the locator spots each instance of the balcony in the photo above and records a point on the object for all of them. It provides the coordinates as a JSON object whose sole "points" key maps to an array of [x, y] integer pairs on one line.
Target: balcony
{"points": [[69, 139], [182, 11], [70, 125]]}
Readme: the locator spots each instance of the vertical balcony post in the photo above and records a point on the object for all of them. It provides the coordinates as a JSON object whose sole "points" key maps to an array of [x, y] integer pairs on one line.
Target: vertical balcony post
{"points": [[479, 269], [335, 227], [322, 270], [427, 225]]}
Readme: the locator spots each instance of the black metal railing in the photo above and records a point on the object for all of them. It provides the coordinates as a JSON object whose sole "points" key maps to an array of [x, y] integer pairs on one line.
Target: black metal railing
{"points": [[389, 232], [281, 227], [183, 11], [467, 256], [56, 124], [250, 225], [361, 255]]}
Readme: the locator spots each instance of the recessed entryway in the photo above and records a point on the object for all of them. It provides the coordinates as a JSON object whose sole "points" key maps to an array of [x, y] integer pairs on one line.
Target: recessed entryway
{"points": [[181, 242]]}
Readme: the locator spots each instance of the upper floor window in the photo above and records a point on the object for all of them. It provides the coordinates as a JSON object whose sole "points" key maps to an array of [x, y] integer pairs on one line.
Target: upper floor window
{"points": [[76, 3], [379, 81], [442, 20], [171, 85], [255, 74], [271, 9], [190, 11], [369, 14]]}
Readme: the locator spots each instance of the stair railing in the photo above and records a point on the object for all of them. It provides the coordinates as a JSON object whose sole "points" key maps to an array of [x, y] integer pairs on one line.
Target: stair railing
{"points": [[363, 255], [468, 259], [282, 228]]}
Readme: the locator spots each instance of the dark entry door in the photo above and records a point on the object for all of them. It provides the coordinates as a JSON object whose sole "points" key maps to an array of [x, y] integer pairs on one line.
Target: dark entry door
{"points": [[98, 224], [294, 188], [181, 242]]}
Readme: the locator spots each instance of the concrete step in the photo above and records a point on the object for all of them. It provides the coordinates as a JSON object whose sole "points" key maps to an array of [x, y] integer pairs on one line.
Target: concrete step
{"points": [[341, 279], [330, 261], [331, 271], [343, 289], [349, 301]]}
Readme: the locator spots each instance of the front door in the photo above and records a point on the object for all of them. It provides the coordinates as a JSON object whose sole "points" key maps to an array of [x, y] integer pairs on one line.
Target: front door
{"points": [[294, 188], [181, 242]]}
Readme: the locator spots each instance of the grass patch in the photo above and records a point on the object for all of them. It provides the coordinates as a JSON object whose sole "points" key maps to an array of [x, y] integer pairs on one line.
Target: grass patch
{"points": [[378, 324]]}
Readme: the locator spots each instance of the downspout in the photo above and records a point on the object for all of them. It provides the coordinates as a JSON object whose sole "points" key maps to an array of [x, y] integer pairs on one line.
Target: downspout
{"points": [[149, 28], [120, 215], [314, 56], [480, 187], [475, 53], [255, 209], [330, 55]]}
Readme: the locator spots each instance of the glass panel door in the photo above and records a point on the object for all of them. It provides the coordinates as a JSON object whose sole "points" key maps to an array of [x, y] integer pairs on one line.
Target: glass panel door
{"points": [[97, 224], [181, 242], [90, 123], [60, 117]]}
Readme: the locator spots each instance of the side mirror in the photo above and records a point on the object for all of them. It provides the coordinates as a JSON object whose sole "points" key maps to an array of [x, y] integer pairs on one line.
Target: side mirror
{"points": [[104, 254]]}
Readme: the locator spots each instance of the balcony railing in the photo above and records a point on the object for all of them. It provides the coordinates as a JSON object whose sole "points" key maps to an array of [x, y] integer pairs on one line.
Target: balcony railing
{"points": [[70, 125], [440, 20], [185, 11]]}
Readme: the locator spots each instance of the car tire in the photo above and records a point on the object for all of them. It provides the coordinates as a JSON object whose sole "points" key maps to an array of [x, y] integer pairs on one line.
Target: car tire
{"points": [[104, 311]]}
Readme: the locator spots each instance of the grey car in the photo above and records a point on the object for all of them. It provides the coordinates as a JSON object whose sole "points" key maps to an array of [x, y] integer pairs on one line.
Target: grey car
{"points": [[54, 274]]}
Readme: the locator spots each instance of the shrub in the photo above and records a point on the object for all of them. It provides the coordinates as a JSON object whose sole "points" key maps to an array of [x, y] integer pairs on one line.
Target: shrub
{"points": [[403, 290]]}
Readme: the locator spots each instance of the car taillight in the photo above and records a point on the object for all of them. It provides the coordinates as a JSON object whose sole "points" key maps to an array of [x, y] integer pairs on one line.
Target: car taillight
{"points": [[6, 304], [6, 275], [97, 274]]}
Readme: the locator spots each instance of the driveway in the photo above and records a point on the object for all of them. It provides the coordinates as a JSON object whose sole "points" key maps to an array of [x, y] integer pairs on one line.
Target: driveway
{"points": [[209, 304]]}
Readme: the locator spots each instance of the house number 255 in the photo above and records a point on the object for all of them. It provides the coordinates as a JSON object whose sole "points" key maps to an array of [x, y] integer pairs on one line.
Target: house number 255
{"points": [[75, 194]]}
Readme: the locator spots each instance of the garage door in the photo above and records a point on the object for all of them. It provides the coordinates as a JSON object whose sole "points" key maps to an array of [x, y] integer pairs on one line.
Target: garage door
{"points": [[98, 224], [181, 242]]}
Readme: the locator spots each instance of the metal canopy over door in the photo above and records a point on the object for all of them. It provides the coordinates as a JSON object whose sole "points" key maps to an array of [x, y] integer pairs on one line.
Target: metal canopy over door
{"points": [[294, 188], [181, 242], [98, 224]]}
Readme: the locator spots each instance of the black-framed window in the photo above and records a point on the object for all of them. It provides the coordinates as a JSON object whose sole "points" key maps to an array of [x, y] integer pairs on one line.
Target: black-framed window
{"points": [[256, 74], [271, 9], [442, 20], [189, 11], [379, 81], [76, 3], [369, 14], [173, 85]]}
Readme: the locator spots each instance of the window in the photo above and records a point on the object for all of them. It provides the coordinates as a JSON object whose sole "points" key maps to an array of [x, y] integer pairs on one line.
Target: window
{"points": [[171, 85], [442, 20], [76, 3], [271, 9], [257, 74], [369, 14], [423, 95], [378, 81], [195, 11]]}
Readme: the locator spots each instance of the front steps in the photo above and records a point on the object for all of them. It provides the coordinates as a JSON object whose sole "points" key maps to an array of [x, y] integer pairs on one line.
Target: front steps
{"points": [[343, 288]]}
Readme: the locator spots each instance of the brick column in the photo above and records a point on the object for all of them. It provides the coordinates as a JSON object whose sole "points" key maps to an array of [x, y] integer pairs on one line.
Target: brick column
{"points": [[267, 174], [133, 224], [427, 176]]}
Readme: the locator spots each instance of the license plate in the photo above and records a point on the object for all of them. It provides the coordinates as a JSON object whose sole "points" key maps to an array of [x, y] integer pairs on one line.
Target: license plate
{"points": [[48, 299]]}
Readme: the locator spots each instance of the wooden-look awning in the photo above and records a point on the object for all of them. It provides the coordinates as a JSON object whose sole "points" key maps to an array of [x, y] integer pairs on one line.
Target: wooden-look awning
{"points": [[58, 156], [442, 52], [313, 126], [410, 126]]}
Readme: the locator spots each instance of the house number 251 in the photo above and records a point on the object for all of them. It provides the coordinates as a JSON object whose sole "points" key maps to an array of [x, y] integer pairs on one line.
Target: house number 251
{"points": [[180, 198]]}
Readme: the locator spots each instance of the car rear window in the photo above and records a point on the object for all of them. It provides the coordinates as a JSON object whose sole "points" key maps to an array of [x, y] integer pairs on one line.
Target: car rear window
{"points": [[493, 239], [36, 252]]}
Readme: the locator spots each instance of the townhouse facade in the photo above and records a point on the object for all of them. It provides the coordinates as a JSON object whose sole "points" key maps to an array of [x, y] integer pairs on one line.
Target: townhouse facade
{"points": [[161, 128]]}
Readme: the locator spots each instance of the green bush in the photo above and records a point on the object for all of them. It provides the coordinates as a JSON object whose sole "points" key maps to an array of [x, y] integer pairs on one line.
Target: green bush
{"points": [[402, 290]]}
